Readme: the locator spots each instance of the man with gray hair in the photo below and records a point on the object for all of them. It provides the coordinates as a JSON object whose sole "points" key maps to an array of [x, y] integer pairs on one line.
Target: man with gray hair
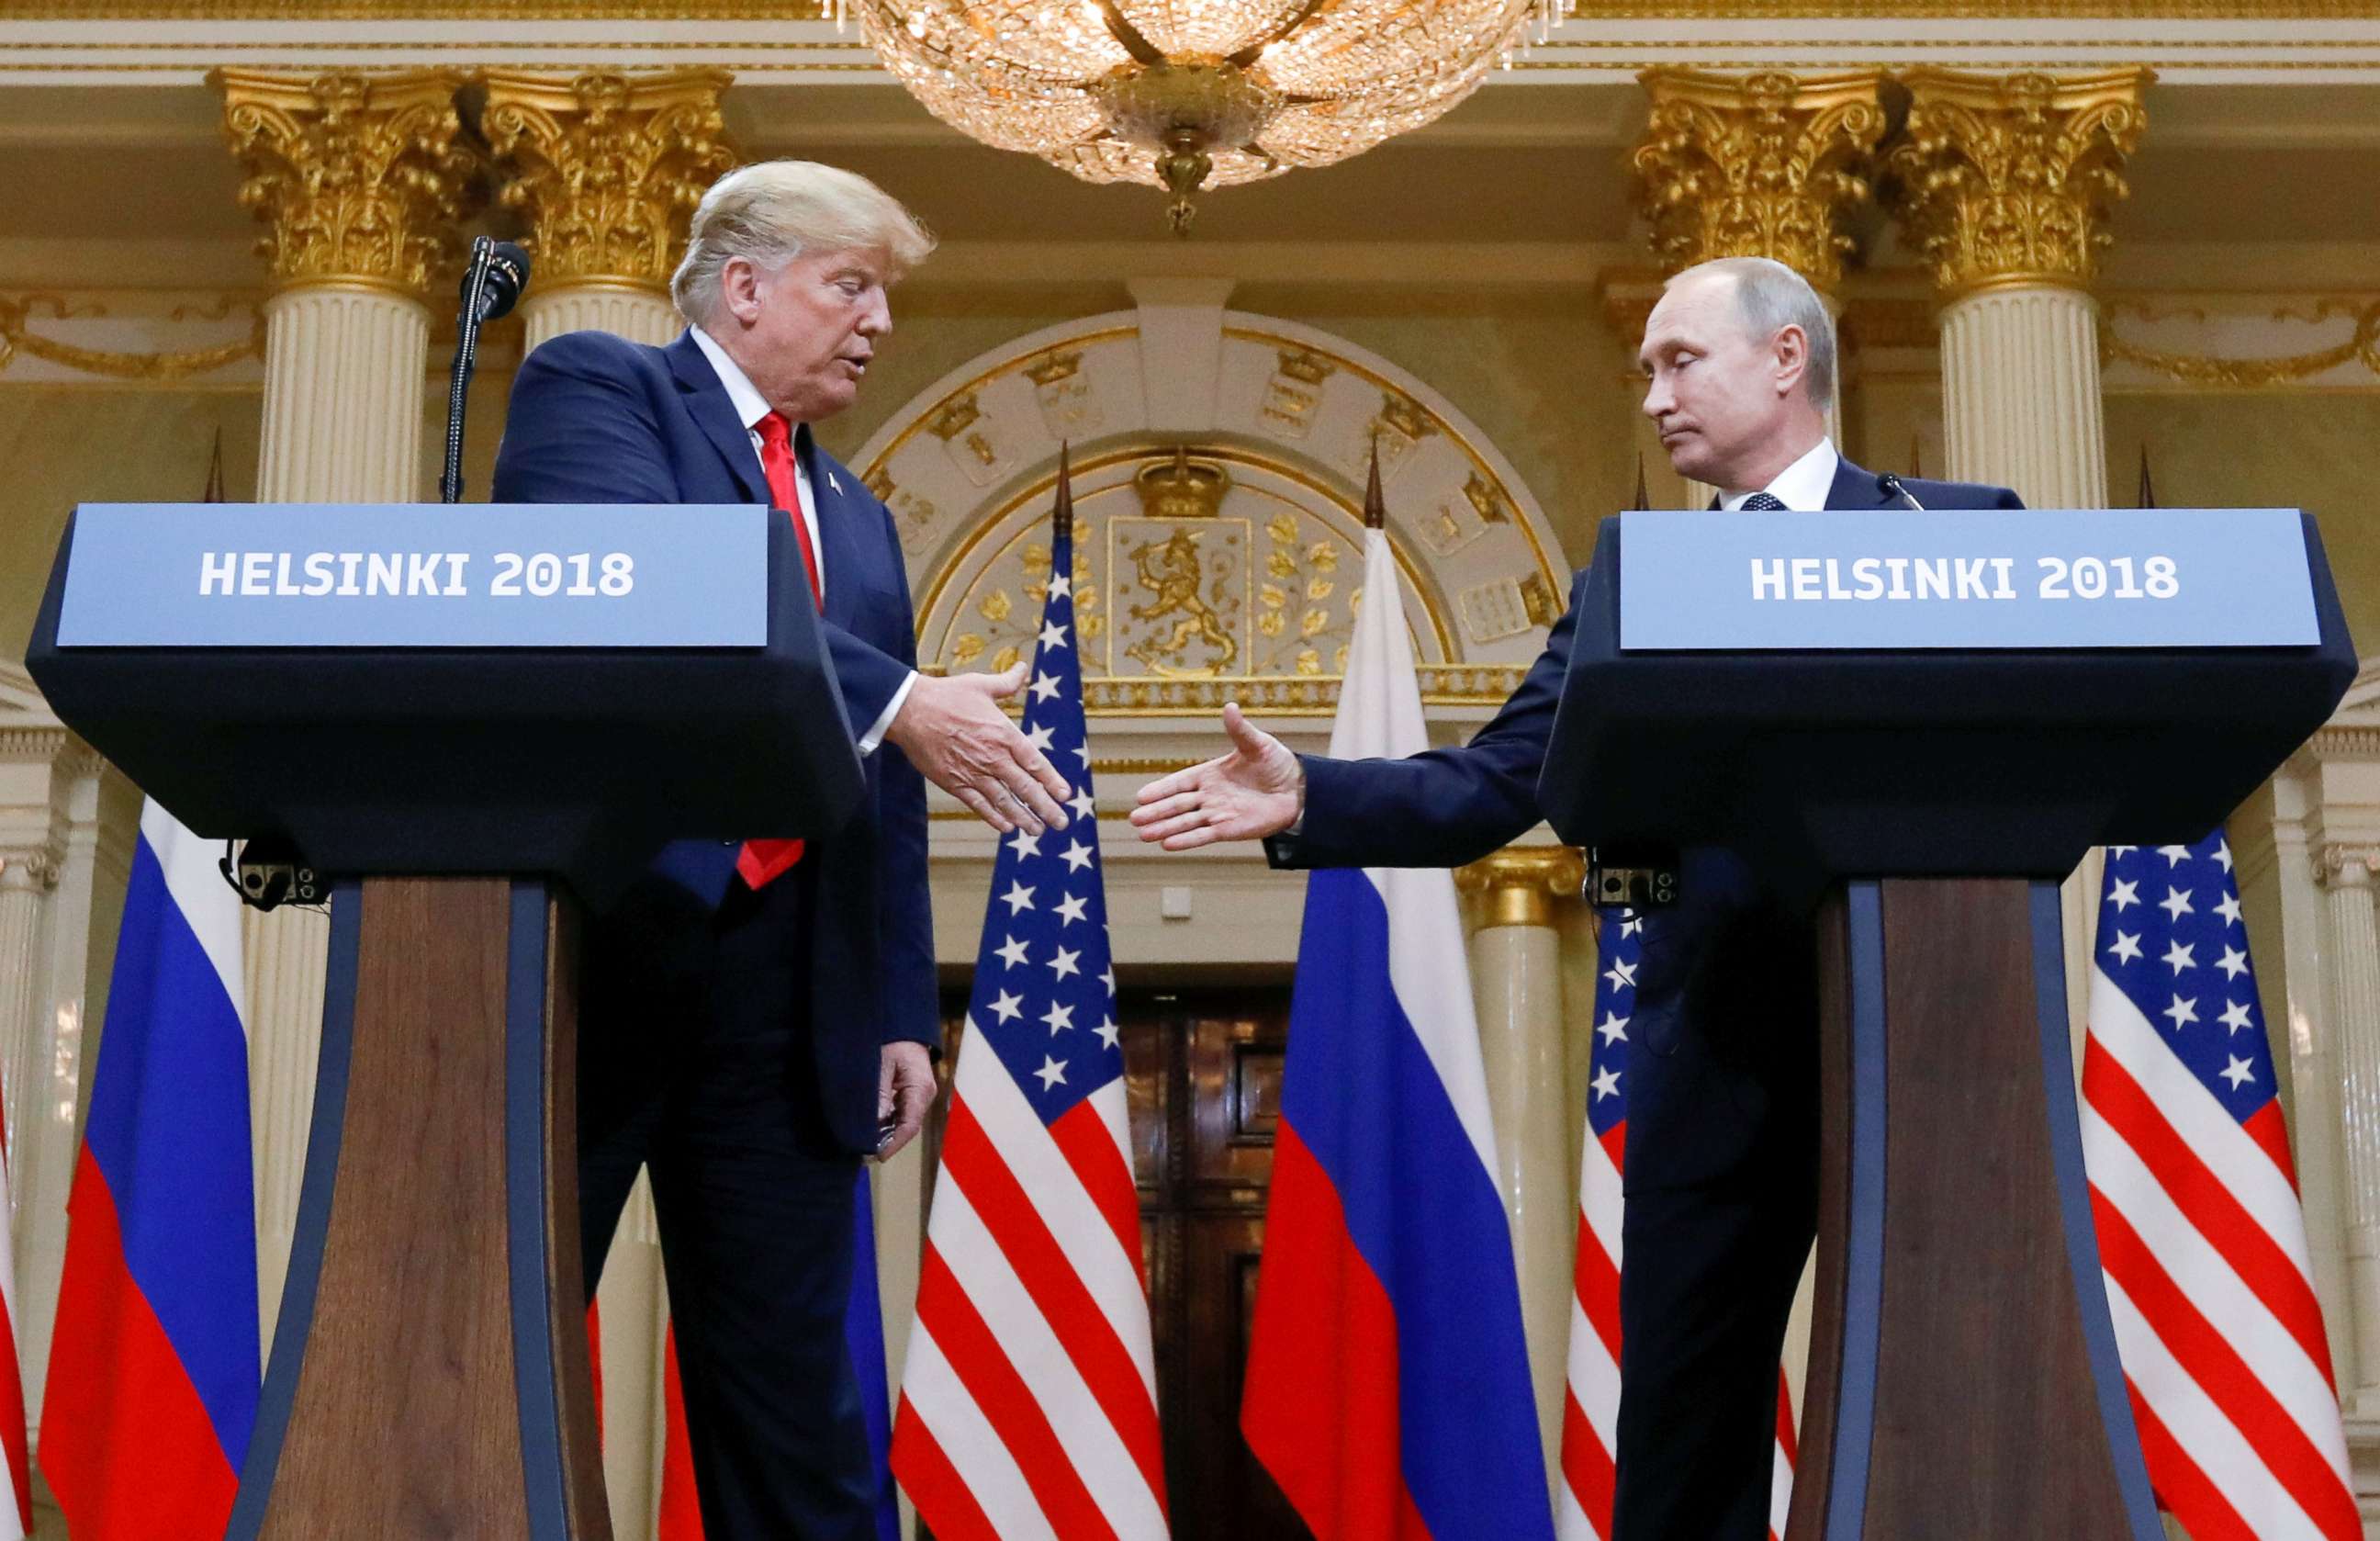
{"points": [[1721, 1165], [758, 1016]]}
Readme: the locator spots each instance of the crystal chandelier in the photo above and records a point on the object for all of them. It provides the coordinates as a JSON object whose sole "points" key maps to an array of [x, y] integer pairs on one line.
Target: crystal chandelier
{"points": [[1188, 94]]}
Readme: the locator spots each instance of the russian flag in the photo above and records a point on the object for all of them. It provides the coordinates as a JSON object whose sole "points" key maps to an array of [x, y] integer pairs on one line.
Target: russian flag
{"points": [[155, 1363], [1388, 1387]]}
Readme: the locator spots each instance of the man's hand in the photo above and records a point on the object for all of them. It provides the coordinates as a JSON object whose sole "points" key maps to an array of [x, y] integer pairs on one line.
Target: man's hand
{"points": [[905, 1089], [955, 735], [1257, 790]]}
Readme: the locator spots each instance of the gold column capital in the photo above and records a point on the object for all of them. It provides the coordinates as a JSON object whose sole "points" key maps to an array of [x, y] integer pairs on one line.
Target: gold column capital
{"points": [[608, 167], [1756, 165], [2010, 179], [1523, 881], [359, 178]]}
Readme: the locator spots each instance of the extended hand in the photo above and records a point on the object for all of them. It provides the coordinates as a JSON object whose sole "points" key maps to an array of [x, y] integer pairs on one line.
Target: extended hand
{"points": [[1257, 790], [955, 735], [905, 1089]]}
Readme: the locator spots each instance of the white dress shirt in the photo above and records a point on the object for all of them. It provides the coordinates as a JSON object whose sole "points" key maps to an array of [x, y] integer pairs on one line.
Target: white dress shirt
{"points": [[751, 406], [1802, 485]]}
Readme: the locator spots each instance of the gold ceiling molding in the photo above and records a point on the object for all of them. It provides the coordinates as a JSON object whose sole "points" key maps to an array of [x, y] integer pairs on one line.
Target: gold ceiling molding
{"points": [[2004, 180], [608, 167], [2251, 375], [357, 178], [1451, 685], [158, 368], [1759, 165]]}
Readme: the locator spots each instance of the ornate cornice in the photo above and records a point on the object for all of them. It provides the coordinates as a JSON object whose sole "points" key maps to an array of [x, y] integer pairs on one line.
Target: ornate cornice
{"points": [[1450, 684], [608, 167], [2010, 179], [1523, 881], [358, 179], [1756, 165]]}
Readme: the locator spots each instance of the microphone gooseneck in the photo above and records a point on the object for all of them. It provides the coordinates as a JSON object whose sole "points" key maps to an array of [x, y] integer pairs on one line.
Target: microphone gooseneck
{"points": [[1892, 488], [493, 281]]}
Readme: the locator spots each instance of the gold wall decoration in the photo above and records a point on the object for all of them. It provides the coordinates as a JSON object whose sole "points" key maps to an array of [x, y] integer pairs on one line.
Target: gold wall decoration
{"points": [[2361, 346], [608, 167], [17, 337], [2011, 179], [1756, 165], [357, 178], [1476, 686]]}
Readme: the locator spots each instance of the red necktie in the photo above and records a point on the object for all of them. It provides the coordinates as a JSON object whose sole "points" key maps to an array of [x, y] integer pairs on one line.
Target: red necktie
{"points": [[763, 861]]}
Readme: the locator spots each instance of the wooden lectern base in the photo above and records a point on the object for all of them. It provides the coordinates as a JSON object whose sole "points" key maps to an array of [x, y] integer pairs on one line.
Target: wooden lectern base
{"points": [[1963, 1379], [429, 1375]]}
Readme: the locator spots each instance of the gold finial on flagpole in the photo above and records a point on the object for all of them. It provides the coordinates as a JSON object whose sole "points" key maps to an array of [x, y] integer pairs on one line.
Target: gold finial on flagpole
{"points": [[1643, 499], [1916, 456], [1376, 508], [2148, 492], [1062, 513], [215, 492]]}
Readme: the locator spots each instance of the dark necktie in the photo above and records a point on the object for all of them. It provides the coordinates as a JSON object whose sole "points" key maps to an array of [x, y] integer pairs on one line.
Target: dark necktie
{"points": [[1762, 503], [763, 861]]}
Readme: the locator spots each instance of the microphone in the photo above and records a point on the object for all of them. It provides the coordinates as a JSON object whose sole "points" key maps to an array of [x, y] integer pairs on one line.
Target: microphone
{"points": [[1892, 486], [493, 279], [492, 282]]}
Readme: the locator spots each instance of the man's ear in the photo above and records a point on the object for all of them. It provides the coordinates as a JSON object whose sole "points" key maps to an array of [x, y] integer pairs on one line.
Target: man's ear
{"points": [[1790, 350], [739, 288]]}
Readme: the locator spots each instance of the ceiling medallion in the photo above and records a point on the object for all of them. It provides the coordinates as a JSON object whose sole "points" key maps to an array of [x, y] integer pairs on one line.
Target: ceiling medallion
{"points": [[1188, 94]]}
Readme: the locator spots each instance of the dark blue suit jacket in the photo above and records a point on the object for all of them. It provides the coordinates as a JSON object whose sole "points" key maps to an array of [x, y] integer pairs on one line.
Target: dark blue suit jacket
{"points": [[596, 419], [1445, 807]]}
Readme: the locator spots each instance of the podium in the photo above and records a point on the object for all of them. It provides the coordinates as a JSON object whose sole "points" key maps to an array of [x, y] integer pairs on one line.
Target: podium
{"points": [[430, 1372], [1963, 1376]]}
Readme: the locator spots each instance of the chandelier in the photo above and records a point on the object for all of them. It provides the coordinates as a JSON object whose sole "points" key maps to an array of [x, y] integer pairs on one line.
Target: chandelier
{"points": [[1188, 94]]}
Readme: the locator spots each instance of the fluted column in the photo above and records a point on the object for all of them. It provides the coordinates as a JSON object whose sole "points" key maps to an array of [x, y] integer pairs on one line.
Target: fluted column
{"points": [[608, 168], [359, 182], [1516, 983], [2346, 874], [1766, 165]]}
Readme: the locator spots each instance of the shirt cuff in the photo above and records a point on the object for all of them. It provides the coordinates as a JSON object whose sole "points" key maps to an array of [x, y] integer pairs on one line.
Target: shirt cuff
{"points": [[883, 725]]}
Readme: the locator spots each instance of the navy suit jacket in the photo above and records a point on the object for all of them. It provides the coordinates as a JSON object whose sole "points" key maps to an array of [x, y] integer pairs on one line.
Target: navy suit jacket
{"points": [[1446, 807], [597, 419]]}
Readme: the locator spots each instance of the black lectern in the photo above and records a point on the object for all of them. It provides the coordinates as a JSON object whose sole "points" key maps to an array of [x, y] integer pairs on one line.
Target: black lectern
{"points": [[429, 1373], [1964, 1377]]}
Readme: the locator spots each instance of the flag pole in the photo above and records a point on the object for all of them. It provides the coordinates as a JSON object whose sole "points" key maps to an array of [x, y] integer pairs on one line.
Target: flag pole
{"points": [[1376, 508]]}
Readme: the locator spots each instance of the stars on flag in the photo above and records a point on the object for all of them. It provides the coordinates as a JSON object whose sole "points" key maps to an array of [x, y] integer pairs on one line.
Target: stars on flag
{"points": [[1053, 634], [1058, 1018], [1621, 973], [1076, 856], [1607, 1083], [1070, 908], [1025, 844], [2203, 1003], [1052, 1073], [1614, 1027], [1018, 899], [1045, 686], [1064, 963], [1011, 953], [1008, 1008]]}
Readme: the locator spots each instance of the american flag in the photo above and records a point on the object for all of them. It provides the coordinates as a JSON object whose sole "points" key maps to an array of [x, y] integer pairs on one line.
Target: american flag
{"points": [[1028, 1403], [2201, 1238], [1591, 1412]]}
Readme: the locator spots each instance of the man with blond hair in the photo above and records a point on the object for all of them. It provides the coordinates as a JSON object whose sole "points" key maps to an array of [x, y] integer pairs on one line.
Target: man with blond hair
{"points": [[757, 1018], [1721, 1169]]}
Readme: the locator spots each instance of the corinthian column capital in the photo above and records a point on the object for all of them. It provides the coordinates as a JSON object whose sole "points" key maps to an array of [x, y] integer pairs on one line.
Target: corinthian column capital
{"points": [[608, 167], [1756, 165], [2011, 179], [358, 179]]}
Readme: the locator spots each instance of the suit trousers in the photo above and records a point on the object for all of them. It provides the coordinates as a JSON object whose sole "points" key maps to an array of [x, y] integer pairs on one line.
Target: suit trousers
{"points": [[1721, 1183], [695, 1062]]}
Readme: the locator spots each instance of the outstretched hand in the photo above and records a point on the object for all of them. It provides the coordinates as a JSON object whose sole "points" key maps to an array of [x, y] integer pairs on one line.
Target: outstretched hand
{"points": [[1257, 790], [955, 732]]}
